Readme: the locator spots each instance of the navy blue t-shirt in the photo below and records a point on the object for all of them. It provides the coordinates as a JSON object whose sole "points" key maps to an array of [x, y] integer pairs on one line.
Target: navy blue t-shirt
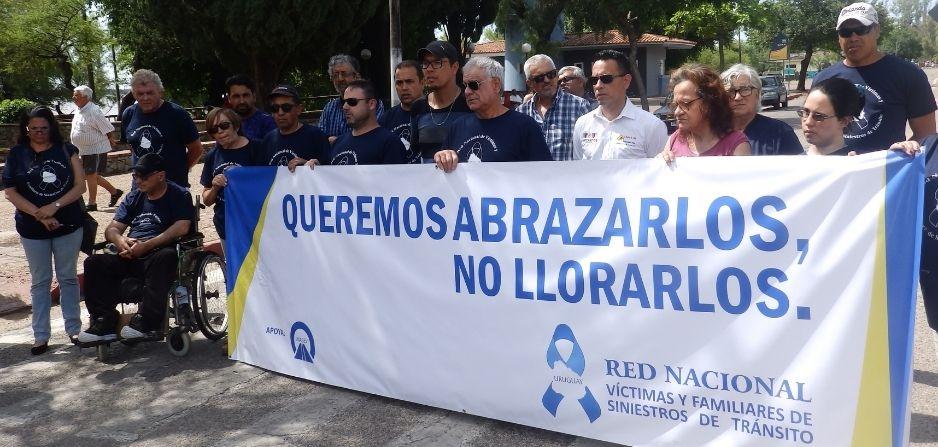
{"points": [[895, 91], [431, 126], [150, 218], [401, 123], [769, 136], [511, 136], [165, 131], [307, 142], [219, 160], [376, 147], [42, 178]]}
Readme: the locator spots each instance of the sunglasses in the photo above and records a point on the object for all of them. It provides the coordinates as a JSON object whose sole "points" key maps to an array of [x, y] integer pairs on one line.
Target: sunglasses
{"points": [[224, 125], [541, 77], [605, 79], [566, 79], [287, 107], [142, 177], [352, 102], [474, 85], [861, 30], [743, 91], [804, 114]]}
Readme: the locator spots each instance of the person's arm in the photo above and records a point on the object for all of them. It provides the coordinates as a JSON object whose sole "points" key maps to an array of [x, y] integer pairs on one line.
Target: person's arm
{"points": [[743, 148], [577, 146], [177, 230], [212, 184], [657, 139], [193, 152], [114, 233], [78, 188], [922, 126]]}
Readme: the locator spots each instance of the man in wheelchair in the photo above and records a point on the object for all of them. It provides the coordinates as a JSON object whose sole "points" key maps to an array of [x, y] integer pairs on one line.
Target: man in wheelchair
{"points": [[145, 266]]}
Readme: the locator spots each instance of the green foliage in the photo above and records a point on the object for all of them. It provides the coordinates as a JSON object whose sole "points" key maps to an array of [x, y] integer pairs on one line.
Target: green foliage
{"points": [[12, 109], [903, 42], [709, 22]]}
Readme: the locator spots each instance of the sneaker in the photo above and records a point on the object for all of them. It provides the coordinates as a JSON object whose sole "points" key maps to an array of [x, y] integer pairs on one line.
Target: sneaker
{"points": [[100, 330], [134, 329], [91, 207], [115, 197]]}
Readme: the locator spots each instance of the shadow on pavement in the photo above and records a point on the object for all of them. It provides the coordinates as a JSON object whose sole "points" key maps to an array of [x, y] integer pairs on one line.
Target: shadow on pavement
{"points": [[925, 377]]}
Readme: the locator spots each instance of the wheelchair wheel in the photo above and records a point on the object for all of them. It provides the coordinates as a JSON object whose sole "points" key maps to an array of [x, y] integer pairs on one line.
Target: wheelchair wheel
{"points": [[211, 296], [178, 342]]}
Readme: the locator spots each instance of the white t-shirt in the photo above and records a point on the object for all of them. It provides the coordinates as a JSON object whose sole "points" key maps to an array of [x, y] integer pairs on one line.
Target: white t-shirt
{"points": [[635, 133], [89, 130]]}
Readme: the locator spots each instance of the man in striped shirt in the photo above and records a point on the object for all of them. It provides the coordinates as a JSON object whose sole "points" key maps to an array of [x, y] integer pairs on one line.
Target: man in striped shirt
{"points": [[93, 134], [555, 110]]}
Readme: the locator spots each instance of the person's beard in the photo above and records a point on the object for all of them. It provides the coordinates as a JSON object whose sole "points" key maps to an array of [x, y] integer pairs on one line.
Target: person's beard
{"points": [[243, 109]]}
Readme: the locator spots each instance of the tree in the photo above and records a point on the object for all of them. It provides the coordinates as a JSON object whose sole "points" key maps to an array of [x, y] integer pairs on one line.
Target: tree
{"points": [[716, 21], [809, 25]]}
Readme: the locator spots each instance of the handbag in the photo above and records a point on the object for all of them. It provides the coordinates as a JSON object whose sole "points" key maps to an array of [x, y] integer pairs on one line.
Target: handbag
{"points": [[89, 230]]}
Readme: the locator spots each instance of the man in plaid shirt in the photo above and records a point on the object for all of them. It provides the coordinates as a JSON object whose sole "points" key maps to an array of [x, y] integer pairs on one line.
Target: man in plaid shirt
{"points": [[554, 110], [342, 70]]}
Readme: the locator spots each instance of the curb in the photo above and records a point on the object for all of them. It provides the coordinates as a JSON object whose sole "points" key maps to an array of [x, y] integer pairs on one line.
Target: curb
{"points": [[213, 246]]}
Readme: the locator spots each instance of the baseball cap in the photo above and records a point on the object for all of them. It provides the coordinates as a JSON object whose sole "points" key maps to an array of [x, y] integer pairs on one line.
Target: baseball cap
{"points": [[284, 90], [149, 164], [865, 13], [440, 49]]}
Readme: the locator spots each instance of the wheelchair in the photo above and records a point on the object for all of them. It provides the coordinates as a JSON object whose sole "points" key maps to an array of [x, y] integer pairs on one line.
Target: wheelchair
{"points": [[203, 307]]}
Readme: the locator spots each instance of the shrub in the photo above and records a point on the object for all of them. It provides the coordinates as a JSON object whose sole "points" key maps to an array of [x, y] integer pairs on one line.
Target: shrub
{"points": [[12, 109]]}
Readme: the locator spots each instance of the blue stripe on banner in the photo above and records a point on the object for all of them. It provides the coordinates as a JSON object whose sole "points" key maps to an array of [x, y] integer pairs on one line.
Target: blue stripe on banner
{"points": [[905, 183], [244, 197]]}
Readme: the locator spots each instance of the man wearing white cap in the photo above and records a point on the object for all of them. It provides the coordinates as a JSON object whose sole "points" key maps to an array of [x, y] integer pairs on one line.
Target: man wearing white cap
{"points": [[895, 90]]}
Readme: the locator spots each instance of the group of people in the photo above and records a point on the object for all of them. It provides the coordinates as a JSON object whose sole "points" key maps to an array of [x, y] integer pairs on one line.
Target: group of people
{"points": [[859, 105]]}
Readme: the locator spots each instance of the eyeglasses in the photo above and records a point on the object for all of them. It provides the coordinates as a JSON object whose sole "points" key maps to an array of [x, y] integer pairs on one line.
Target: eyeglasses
{"points": [[436, 65], [805, 114], [352, 102], [605, 79], [683, 105], [142, 177], [37, 129], [474, 85], [566, 79], [341, 75], [743, 91], [224, 125], [861, 30], [541, 77], [286, 107]]}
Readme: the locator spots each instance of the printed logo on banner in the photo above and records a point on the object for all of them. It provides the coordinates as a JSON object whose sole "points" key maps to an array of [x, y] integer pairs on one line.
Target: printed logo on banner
{"points": [[301, 340], [568, 375]]}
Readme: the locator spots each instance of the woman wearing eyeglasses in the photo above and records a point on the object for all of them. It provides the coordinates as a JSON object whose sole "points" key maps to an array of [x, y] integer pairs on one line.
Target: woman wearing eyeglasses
{"points": [[704, 118], [767, 136], [43, 178], [232, 149]]}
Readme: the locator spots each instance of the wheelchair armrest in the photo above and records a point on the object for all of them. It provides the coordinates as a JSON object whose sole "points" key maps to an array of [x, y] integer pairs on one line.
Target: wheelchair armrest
{"points": [[100, 245]]}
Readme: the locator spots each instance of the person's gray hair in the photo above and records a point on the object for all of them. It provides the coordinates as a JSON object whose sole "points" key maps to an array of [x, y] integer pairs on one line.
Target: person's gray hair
{"points": [[340, 59], [144, 76], [84, 91], [737, 70], [537, 59], [577, 71], [490, 66]]}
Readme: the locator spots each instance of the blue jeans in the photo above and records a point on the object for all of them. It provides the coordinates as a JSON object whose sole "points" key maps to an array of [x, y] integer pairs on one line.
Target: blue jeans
{"points": [[40, 254]]}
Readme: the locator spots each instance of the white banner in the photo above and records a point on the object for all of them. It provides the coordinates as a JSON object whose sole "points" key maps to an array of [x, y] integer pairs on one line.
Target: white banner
{"points": [[723, 301]]}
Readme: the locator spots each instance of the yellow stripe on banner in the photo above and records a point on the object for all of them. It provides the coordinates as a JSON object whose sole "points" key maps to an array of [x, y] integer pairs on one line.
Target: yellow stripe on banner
{"points": [[239, 295], [873, 423]]}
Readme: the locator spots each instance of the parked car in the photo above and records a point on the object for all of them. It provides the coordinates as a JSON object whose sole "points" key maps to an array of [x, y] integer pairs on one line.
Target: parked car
{"points": [[774, 92], [664, 113]]}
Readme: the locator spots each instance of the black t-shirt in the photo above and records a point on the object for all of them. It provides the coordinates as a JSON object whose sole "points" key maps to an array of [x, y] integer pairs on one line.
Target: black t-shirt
{"points": [[376, 147], [769, 136], [149, 218], [165, 131], [431, 126], [219, 160], [308, 142], [43, 178], [401, 123], [511, 136], [895, 91]]}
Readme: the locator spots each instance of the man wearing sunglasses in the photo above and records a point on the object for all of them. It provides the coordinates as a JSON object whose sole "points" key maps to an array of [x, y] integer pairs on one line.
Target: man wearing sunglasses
{"points": [[617, 129], [573, 81], [895, 90], [493, 132], [292, 143], [367, 143], [157, 212], [553, 109], [435, 114], [342, 70]]}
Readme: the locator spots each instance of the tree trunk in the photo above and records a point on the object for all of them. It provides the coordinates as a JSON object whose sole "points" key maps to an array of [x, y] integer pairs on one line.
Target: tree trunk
{"points": [[808, 52], [89, 72], [637, 77], [722, 55], [66, 68], [266, 74]]}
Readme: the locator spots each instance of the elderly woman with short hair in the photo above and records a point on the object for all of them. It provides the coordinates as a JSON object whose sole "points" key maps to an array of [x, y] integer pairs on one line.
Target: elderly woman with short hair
{"points": [[93, 134], [768, 136]]}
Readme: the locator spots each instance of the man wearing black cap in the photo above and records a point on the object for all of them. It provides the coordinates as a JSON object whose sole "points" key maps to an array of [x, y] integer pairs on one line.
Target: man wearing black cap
{"points": [[157, 212], [444, 105], [293, 142]]}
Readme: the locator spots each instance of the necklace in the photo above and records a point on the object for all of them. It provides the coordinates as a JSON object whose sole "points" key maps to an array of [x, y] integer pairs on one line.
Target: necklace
{"points": [[445, 118]]}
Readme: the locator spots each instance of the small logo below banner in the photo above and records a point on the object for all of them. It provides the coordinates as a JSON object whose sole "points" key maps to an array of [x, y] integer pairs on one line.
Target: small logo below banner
{"points": [[576, 363], [301, 340]]}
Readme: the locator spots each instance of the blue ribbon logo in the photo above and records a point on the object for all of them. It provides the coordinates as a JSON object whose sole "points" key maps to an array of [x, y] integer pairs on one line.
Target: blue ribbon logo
{"points": [[577, 364], [301, 340]]}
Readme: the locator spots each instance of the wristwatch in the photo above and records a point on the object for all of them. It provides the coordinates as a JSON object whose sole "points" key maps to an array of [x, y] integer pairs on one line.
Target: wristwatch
{"points": [[57, 205]]}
